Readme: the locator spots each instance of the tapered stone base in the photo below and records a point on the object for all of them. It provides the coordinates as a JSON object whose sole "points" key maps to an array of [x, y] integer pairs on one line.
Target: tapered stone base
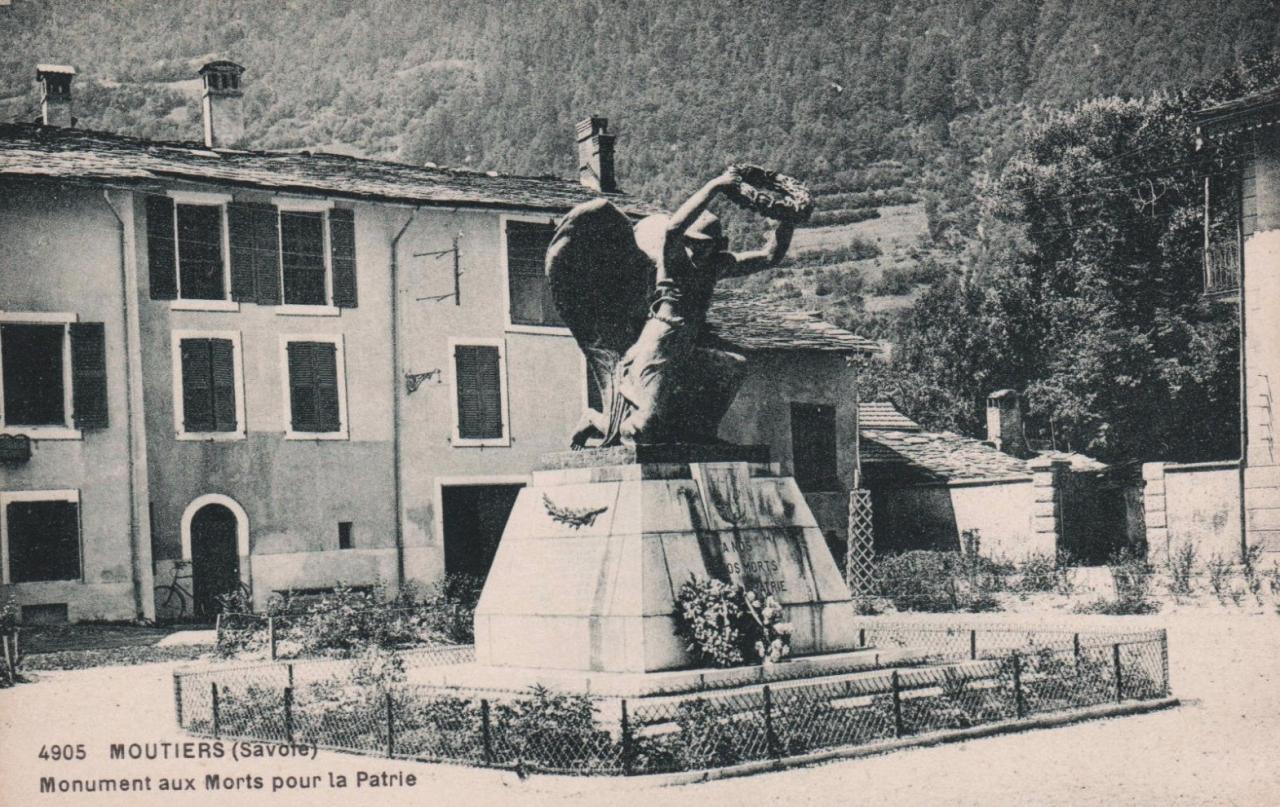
{"points": [[587, 572]]}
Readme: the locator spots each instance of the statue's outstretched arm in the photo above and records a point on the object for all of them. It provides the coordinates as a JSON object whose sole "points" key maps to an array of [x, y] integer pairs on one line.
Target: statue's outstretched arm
{"points": [[768, 256], [688, 212]]}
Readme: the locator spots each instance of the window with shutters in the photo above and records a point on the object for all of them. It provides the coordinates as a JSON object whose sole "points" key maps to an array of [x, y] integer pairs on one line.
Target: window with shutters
{"points": [[41, 534], [188, 250], [317, 257], [479, 393], [529, 302], [813, 447], [315, 388], [53, 375], [208, 390], [208, 252]]}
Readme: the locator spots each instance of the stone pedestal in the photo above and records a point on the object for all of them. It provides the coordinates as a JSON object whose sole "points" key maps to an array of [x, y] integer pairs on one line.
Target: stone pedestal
{"points": [[596, 548]]}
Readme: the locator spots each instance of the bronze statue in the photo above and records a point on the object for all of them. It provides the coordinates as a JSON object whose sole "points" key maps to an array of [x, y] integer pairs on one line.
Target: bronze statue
{"points": [[636, 300]]}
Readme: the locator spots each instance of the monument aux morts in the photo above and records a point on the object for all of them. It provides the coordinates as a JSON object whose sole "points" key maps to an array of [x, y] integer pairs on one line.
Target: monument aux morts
{"points": [[596, 549]]}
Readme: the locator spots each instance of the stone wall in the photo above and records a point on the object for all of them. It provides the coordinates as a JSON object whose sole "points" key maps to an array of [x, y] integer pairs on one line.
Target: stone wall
{"points": [[1197, 503]]}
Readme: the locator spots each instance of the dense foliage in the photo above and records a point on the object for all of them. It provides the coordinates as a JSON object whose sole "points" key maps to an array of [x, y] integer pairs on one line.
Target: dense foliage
{"points": [[1083, 288]]}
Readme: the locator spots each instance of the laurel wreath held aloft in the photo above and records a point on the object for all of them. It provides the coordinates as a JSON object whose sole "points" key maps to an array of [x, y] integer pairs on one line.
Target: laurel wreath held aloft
{"points": [[575, 518], [773, 195]]}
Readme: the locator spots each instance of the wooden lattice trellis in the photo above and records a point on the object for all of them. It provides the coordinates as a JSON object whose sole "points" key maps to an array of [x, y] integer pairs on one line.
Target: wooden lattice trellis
{"points": [[859, 566]]}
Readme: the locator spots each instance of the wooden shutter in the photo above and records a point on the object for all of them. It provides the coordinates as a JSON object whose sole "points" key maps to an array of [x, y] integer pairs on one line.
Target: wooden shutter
{"points": [[44, 540], [240, 236], [161, 255], [313, 387], [324, 360], [197, 387], [342, 248], [302, 388], [479, 383], [530, 293], [266, 253], [89, 375], [222, 384]]}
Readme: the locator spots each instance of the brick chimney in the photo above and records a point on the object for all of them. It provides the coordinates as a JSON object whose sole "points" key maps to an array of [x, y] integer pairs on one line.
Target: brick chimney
{"points": [[55, 94], [1004, 423], [223, 103], [595, 155]]}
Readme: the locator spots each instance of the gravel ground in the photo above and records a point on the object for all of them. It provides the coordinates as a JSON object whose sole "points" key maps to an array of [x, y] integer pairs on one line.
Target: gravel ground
{"points": [[1219, 748]]}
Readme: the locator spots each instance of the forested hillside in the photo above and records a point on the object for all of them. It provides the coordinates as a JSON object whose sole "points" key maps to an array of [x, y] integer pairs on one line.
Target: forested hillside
{"points": [[922, 125], [811, 87]]}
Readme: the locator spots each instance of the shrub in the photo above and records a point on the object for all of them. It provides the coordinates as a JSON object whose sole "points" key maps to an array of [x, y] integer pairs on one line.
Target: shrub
{"points": [[939, 581], [1131, 575], [10, 656], [1182, 564], [1219, 569], [550, 729]]}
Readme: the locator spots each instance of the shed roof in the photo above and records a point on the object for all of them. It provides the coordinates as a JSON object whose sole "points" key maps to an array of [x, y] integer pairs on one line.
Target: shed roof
{"points": [[753, 324], [918, 455]]}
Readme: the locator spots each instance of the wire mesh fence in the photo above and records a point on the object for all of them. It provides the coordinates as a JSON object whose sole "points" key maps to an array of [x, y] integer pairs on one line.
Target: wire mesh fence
{"points": [[328, 631], [1016, 672]]}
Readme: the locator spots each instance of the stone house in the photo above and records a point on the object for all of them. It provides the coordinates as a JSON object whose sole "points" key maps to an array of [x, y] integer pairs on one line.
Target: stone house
{"points": [[290, 369], [929, 488], [1225, 507]]}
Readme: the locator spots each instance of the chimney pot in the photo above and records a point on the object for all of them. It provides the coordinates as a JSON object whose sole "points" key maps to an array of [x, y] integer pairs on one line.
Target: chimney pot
{"points": [[55, 94], [1004, 423], [222, 101], [595, 155]]}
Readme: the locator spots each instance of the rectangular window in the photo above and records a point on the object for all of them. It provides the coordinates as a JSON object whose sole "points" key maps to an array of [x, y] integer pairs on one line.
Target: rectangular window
{"points": [[302, 258], [530, 301], [813, 446], [33, 374], [316, 389], [210, 396], [344, 535], [186, 253], [41, 536], [201, 269], [480, 409]]}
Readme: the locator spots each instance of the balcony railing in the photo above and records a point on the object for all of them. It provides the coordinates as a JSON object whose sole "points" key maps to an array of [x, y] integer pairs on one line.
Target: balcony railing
{"points": [[1222, 267]]}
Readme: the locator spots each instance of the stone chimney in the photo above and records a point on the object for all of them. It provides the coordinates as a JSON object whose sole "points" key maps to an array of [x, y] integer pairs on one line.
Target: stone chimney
{"points": [[55, 94], [223, 103], [1004, 423], [595, 155]]}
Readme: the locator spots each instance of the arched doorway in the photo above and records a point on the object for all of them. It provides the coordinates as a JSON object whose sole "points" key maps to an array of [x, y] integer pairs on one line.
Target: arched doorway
{"points": [[215, 564]]}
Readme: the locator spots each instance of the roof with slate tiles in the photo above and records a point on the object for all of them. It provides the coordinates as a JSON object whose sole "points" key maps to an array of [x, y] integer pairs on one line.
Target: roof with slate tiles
{"points": [[65, 153], [750, 323], [893, 450], [69, 154]]}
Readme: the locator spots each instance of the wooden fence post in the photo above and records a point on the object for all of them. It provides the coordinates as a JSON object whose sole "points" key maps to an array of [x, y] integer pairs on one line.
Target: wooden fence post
{"points": [[973, 644], [626, 740], [1115, 657], [271, 636], [217, 721], [391, 727], [897, 704], [485, 735], [177, 700], [1075, 649], [1019, 708], [288, 713], [770, 739]]}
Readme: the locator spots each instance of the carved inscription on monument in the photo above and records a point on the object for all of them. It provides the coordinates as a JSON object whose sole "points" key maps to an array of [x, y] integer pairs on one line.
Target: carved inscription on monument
{"points": [[761, 575]]}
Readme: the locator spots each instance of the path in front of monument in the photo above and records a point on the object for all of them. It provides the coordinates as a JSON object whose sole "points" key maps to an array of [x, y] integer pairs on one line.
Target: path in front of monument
{"points": [[1219, 747]]}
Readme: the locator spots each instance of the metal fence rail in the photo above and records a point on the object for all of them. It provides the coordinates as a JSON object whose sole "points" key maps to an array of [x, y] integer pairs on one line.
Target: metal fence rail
{"points": [[1017, 672]]}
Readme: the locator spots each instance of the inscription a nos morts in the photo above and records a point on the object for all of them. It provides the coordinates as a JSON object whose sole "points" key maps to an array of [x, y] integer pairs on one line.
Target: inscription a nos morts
{"points": [[760, 576]]}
